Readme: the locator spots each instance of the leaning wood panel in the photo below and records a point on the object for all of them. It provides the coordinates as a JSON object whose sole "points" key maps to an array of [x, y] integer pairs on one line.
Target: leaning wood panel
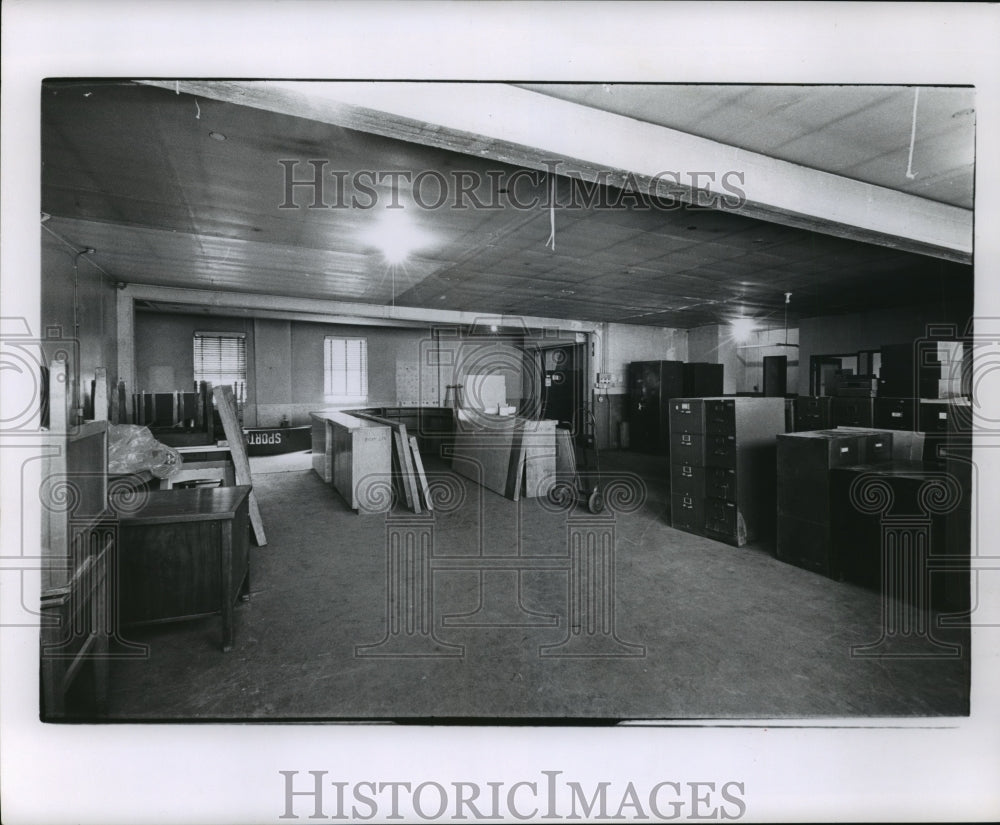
{"points": [[402, 442], [399, 486], [226, 404], [539, 450], [485, 458], [418, 464], [99, 394], [405, 477], [510, 456]]}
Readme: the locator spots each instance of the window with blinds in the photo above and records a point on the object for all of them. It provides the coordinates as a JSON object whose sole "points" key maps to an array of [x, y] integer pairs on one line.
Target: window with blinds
{"points": [[221, 359], [345, 369]]}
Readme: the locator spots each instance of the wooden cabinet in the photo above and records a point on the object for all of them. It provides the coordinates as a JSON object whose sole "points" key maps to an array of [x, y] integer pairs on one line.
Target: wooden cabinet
{"points": [[184, 553], [355, 456], [362, 455]]}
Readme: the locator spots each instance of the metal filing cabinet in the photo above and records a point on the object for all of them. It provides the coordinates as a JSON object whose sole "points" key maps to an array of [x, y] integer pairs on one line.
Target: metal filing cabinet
{"points": [[805, 518], [911, 371], [895, 413], [812, 413], [702, 379], [958, 465], [852, 412], [944, 415], [651, 385], [860, 534], [722, 465], [805, 530]]}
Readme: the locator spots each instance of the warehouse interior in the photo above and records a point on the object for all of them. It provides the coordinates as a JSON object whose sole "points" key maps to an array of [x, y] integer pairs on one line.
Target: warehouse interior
{"points": [[794, 262]]}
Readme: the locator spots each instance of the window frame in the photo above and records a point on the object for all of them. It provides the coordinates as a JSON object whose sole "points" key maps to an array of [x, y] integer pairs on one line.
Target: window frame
{"points": [[242, 361], [345, 397]]}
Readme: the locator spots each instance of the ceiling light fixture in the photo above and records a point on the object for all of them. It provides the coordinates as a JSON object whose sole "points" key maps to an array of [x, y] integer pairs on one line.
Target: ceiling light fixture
{"points": [[788, 300], [741, 328], [396, 236], [216, 136]]}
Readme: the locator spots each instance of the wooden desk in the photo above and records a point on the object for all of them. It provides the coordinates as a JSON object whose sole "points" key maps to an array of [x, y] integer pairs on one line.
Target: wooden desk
{"points": [[203, 462], [184, 554]]}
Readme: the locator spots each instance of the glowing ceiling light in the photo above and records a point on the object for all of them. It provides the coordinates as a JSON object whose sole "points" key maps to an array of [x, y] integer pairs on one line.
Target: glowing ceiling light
{"points": [[396, 235], [741, 328]]}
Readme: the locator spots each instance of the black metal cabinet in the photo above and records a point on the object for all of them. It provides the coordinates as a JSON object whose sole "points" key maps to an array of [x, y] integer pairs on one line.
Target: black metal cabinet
{"points": [[852, 412], [909, 371], [722, 466], [702, 379], [908, 548], [895, 413], [651, 385], [944, 415], [812, 413], [805, 531]]}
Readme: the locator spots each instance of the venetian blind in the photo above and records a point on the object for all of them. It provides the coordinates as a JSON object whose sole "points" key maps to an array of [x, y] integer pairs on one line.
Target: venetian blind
{"points": [[220, 358], [345, 362]]}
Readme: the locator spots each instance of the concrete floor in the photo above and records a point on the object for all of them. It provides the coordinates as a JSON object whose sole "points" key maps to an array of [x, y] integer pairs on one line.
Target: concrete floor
{"points": [[724, 632]]}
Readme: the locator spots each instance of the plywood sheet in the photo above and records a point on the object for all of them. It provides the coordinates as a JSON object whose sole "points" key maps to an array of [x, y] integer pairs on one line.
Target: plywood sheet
{"points": [[226, 404], [483, 392]]}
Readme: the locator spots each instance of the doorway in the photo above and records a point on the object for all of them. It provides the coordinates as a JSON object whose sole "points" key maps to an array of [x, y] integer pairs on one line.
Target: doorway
{"points": [[823, 370], [563, 385]]}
